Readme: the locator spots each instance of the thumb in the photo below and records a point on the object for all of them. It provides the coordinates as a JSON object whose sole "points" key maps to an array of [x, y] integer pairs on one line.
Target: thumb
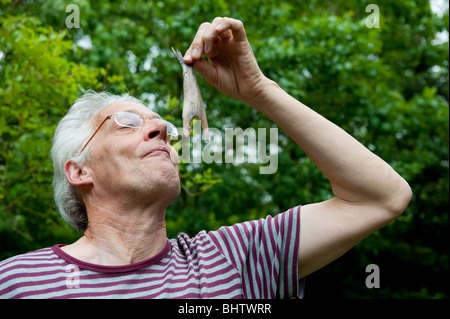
{"points": [[206, 70]]}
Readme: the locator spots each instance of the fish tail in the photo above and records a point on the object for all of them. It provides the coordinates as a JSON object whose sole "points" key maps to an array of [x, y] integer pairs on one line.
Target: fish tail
{"points": [[179, 56]]}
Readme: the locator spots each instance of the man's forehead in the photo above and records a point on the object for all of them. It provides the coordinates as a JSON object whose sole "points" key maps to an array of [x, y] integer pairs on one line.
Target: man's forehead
{"points": [[124, 106]]}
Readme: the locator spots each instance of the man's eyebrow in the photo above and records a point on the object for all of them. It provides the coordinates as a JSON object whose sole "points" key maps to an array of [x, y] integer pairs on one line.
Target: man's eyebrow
{"points": [[157, 116], [154, 115]]}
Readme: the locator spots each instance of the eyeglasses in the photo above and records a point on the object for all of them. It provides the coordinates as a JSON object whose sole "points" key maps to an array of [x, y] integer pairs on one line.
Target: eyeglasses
{"points": [[132, 120]]}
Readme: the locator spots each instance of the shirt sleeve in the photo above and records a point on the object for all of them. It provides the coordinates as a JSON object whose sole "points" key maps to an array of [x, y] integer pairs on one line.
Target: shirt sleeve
{"points": [[265, 253]]}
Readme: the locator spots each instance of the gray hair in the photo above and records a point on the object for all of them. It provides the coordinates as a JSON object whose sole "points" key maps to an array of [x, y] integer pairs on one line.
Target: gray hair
{"points": [[72, 132]]}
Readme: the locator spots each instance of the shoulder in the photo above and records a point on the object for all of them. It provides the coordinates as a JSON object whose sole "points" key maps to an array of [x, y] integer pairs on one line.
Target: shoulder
{"points": [[272, 226], [32, 255], [27, 260], [21, 274], [267, 235]]}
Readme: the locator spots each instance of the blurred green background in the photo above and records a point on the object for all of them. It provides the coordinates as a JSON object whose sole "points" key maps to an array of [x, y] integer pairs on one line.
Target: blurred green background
{"points": [[387, 86]]}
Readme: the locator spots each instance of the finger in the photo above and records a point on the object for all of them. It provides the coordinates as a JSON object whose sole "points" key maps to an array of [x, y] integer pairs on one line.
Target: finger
{"points": [[210, 35], [219, 30], [208, 71], [195, 50], [225, 35], [236, 26]]}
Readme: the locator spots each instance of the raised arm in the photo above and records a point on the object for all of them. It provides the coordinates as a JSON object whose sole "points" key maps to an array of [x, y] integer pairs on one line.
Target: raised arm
{"points": [[368, 193]]}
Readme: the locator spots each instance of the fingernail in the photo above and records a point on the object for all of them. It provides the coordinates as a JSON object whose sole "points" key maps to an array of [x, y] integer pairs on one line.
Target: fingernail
{"points": [[195, 52], [206, 48], [188, 57], [219, 27]]}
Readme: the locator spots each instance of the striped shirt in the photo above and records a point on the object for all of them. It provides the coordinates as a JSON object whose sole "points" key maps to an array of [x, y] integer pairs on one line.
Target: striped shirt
{"points": [[255, 259]]}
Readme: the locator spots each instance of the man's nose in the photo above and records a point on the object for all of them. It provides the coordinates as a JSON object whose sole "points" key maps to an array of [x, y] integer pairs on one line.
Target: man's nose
{"points": [[155, 128]]}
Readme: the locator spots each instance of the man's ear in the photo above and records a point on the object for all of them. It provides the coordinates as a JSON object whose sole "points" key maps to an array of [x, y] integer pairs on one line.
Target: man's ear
{"points": [[76, 175]]}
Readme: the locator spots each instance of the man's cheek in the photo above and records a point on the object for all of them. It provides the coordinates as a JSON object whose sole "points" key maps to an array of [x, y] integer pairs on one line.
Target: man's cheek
{"points": [[174, 157]]}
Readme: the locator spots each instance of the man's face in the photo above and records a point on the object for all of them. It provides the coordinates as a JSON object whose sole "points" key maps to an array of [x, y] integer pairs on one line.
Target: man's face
{"points": [[136, 163]]}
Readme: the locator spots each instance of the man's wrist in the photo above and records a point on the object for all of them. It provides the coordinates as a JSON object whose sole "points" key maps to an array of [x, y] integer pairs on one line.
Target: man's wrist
{"points": [[263, 100]]}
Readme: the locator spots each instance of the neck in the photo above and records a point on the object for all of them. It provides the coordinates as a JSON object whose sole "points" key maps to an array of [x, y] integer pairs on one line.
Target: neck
{"points": [[120, 236]]}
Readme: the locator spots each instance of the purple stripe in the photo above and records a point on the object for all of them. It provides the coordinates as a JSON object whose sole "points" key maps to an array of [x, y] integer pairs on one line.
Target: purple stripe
{"points": [[239, 243], [35, 283], [165, 279], [194, 254], [23, 275], [182, 259], [40, 252], [224, 234], [296, 247], [287, 242], [253, 261], [281, 218], [158, 294], [242, 250], [37, 263], [159, 274], [273, 273], [162, 290], [174, 269], [30, 257], [266, 262]]}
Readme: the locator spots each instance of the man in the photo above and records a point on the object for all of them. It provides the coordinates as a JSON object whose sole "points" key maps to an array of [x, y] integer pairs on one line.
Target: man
{"points": [[116, 173]]}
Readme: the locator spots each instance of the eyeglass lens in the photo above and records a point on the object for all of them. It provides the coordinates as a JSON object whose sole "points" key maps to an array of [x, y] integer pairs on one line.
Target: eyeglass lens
{"points": [[128, 119]]}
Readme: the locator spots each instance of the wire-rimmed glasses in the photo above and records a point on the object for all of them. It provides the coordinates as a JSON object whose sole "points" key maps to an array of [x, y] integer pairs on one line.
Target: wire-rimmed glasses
{"points": [[132, 120]]}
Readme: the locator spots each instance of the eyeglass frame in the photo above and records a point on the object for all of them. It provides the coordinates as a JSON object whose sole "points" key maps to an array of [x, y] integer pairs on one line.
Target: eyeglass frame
{"points": [[111, 115]]}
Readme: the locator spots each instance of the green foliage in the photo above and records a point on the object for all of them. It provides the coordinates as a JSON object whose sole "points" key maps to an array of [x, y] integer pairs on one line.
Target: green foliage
{"points": [[386, 86], [38, 84]]}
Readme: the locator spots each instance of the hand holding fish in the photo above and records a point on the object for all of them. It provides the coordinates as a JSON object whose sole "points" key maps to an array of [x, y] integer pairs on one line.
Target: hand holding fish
{"points": [[232, 66]]}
